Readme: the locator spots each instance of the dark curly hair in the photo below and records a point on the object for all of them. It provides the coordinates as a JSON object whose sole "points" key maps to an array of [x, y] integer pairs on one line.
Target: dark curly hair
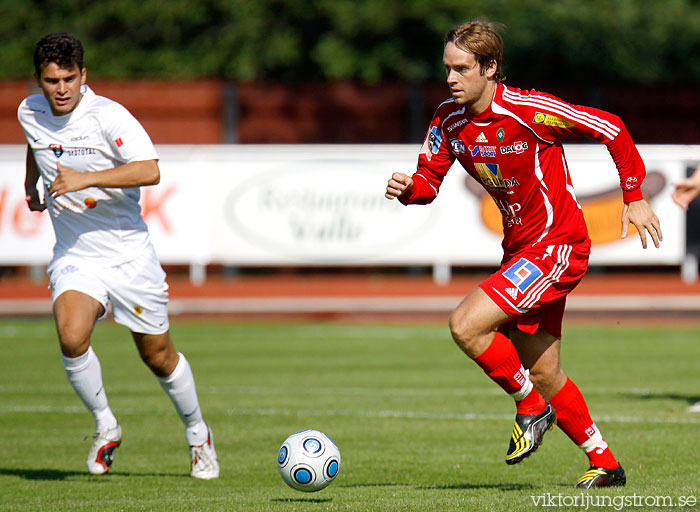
{"points": [[60, 47]]}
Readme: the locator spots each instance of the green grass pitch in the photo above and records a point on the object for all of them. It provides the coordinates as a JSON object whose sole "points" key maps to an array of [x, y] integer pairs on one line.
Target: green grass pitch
{"points": [[419, 426]]}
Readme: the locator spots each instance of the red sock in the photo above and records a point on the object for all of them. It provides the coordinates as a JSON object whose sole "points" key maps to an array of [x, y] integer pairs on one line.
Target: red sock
{"points": [[500, 361], [575, 420]]}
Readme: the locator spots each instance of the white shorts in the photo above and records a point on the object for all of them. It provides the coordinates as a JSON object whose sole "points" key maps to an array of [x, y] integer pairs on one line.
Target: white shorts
{"points": [[136, 289]]}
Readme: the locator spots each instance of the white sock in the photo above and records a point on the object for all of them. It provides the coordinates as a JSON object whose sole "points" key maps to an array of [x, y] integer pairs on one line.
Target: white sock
{"points": [[85, 375], [181, 389]]}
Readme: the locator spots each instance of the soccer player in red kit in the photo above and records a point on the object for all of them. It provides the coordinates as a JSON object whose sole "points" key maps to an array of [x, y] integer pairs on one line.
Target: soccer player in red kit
{"points": [[509, 140]]}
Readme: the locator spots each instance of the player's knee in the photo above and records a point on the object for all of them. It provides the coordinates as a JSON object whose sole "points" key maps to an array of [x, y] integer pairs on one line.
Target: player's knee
{"points": [[160, 360], [461, 328], [539, 379], [156, 359], [546, 379], [73, 336]]}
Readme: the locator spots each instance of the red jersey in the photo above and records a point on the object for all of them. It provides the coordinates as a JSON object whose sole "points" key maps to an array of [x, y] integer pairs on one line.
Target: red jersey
{"points": [[514, 150]]}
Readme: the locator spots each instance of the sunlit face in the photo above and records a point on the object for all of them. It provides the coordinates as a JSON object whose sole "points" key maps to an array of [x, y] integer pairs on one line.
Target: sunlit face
{"points": [[61, 87], [469, 84]]}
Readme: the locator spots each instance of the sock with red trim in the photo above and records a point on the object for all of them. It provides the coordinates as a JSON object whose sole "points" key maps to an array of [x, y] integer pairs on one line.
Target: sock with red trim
{"points": [[576, 422], [501, 363]]}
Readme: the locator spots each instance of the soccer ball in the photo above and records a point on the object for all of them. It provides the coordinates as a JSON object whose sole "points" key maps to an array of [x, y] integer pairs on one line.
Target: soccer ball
{"points": [[308, 460]]}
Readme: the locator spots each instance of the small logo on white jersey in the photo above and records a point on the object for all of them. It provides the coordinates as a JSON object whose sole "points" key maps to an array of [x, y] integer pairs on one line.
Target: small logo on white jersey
{"points": [[513, 292], [57, 149], [68, 269], [482, 138]]}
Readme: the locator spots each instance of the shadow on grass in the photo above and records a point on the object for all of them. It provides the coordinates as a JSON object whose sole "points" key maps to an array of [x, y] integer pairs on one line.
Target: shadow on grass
{"points": [[499, 487], [689, 399], [40, 474], [58, 474], [374, 484], [447, 487], [301, 500]]}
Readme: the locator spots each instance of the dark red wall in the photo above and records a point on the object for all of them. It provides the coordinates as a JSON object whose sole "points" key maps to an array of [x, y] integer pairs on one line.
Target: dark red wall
{"points": [[212, 112]]}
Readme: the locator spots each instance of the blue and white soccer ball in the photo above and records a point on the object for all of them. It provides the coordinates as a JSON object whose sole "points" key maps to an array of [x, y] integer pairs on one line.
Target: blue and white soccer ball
{"points": [[308, 460]]}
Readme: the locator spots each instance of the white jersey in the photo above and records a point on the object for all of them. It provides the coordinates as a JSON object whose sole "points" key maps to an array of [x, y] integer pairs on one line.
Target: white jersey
{"points": [[103, 225]]}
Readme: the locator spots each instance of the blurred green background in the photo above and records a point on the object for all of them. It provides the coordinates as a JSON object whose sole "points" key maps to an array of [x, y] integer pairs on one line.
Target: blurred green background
{"points": [[369, 41]]}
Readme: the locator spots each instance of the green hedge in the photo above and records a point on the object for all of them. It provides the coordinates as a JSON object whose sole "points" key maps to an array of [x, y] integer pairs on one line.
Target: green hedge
{"points": [[640, 41]]}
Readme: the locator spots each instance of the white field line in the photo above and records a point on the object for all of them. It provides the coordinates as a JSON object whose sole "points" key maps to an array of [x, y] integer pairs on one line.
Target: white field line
{"points": [[456, 392], [223, 305], [418, 304], [353, 413]]}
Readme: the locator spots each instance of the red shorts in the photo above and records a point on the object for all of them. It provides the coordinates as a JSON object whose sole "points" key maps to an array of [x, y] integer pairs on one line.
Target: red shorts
{"points": [[532, 285]]}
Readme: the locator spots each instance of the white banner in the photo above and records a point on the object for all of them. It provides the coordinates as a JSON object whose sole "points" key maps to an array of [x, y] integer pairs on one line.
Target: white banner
{"points": [[324, 205]]}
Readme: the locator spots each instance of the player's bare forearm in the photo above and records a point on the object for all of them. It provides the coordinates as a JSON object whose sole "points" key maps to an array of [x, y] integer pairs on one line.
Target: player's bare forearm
{"points": [[133, 174], [30, 180], [399, 184], [32, 171], [687, 190], [640, 214]]}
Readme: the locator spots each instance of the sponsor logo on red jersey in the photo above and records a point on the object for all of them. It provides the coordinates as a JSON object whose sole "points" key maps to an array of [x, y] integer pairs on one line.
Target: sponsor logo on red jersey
{"points": [[485, 151], [456, 125], [517, 148], [550, 120], [491, 176], [432, 143], [458, 147]]}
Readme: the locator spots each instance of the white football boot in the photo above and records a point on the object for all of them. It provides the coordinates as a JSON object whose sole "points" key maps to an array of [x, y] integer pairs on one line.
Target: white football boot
{"points": [[205, 464], [101, 454]]}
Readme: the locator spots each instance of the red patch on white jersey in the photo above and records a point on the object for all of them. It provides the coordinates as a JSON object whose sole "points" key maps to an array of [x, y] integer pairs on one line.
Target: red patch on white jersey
{"points": [[119, 142]]}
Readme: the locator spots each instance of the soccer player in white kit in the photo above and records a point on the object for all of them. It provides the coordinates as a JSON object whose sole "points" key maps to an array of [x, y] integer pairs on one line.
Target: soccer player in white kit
{"points": [[93, 156]]}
